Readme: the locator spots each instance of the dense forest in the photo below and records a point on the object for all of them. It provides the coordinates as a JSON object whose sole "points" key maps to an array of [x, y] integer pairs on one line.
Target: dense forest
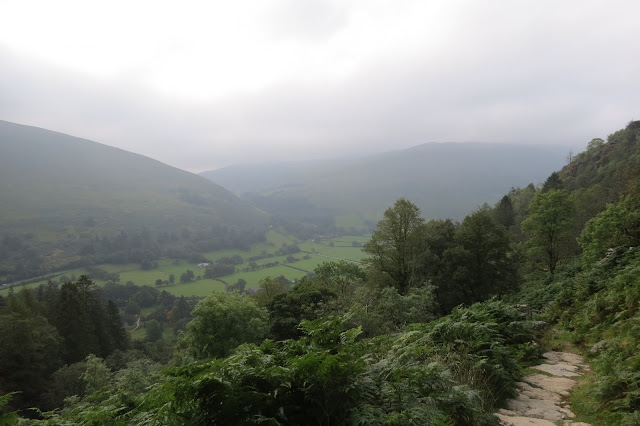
{"points": [[435, 328]]}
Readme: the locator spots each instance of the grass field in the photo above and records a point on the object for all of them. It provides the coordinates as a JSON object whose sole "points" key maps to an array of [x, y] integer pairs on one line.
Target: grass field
{"points": [[319, 252]]}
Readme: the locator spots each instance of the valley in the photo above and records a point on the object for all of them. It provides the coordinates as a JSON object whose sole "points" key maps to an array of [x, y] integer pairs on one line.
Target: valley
{"points": [[312, 253], [198, 305]]}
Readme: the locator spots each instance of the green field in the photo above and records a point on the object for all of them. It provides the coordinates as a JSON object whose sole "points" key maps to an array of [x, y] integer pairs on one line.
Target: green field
{"points": [[319, 252]]}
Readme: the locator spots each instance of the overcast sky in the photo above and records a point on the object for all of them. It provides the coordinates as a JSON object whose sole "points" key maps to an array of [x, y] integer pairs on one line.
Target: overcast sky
{"points": [[203, 84]]}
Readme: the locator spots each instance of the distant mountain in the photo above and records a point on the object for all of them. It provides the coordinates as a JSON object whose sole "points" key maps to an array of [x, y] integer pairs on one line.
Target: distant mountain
{"points": [[65, 200], [446, 180]]}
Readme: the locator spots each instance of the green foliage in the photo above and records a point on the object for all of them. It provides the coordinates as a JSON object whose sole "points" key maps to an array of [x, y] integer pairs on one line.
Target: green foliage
{"points": [[341, 276], [67, 381], [381, 310], [548, 225], [397, 248], [10, 417], [388, 360], [618, 225], [268, 289], [553, 183], [601, 305], [479, 264], [153, 330], [307, 300], [223, 321], [457, 368], [504, 213]]}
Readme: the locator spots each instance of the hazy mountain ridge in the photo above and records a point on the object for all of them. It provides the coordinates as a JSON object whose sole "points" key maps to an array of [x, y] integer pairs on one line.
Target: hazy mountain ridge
{"points": [[57, 189], [460, 176]]}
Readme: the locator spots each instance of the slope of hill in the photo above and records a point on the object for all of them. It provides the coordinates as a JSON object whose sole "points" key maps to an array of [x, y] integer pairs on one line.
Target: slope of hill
{"points": [[443, 179], [62, 200]]}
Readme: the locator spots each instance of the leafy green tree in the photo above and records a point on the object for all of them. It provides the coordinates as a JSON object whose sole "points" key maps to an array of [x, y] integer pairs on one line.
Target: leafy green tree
{"points": [[117, 335], [397, 248], [553, 182], [504, 212], [268, 288], [547, 226], [74, 322], [187, 276], [307, 300], [153, 330], [223, 321], [379, 310], [65, 382], [29, 350], [439, 235], [132, 308], [479, 265], [617, 225], [97, 375], [239, 286], [341, 276]]}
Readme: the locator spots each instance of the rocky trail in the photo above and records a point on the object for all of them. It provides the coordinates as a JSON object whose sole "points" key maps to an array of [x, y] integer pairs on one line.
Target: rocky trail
{"points": [[543, 397]]}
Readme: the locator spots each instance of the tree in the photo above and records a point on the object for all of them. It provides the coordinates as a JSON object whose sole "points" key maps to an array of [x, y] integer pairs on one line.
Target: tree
{"points": [[239, 286], [397, 248], [223, 321], [74, 322], [308, 300], [153, 330], [547, 225], [553, 182], [187, 276], [439, 236], [29, 350], [504, 212], [342, 276], [480, 264], [618, 225], [172, 278], [117, 335], [132, 308], [65, 382], [268, 288]]}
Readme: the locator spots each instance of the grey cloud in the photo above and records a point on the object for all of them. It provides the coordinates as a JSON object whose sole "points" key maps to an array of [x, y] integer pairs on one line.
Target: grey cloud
{"points": [[496, 80], [310, 19]]}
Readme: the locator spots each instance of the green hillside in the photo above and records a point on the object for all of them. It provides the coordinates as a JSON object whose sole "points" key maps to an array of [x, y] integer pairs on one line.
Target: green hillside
{"points": [[65, 201], [437, 325], [446, 180]]}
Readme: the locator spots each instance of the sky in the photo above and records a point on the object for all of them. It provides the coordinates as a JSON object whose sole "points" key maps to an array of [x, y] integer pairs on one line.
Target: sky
{"points": [[205, 84]]}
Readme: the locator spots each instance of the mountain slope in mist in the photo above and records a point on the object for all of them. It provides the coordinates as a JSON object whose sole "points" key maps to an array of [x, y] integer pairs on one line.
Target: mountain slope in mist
{"points": [[56, 190], [443, 179]]}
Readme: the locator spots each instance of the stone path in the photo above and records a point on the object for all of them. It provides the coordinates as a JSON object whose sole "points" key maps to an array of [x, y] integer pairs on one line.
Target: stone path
{"points": [[543, 397]]}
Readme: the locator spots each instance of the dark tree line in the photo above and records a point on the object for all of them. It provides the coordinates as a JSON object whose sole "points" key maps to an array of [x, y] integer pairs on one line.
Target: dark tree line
{"points": [[44, 329], [466, 262]]}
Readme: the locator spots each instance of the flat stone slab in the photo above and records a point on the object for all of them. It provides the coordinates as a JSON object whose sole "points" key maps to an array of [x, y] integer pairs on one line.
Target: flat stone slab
{"points": [[539, 408], [523, 421], [560, 385], [538, 393], [565, 357], [561, 369]]}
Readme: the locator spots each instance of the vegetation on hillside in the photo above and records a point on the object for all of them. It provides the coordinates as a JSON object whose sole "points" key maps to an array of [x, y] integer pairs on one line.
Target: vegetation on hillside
{"points": [[428, 331], [77, 203]]}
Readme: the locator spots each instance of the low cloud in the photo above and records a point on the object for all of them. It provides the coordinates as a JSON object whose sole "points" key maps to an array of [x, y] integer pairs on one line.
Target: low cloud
{"points": [[525, 73]]}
